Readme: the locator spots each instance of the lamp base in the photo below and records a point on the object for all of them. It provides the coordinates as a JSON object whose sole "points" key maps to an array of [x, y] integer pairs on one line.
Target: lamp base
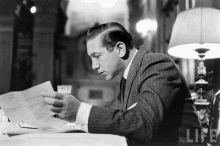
{"points": [[201, 83]]}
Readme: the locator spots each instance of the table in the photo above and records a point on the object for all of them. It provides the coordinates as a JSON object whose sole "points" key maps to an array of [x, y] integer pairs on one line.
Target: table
{"points": [[62, 139]]}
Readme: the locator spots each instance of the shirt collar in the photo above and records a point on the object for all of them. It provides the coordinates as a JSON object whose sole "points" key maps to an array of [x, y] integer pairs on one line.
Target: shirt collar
{"points": [[129, 65]]}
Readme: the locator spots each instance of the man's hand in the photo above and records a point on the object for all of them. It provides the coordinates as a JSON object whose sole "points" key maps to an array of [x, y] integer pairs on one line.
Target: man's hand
{"points": [[66, 106]]}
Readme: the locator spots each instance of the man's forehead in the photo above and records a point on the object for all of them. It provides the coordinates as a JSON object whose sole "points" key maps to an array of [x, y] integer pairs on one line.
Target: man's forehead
{"points": [[94, 45]]}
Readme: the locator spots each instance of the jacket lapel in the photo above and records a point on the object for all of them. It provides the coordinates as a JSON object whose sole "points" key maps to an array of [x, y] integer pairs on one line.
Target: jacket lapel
{"points": [[135, 65]]}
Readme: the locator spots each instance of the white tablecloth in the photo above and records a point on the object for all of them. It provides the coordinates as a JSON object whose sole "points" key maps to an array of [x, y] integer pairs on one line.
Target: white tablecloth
{"points": [[63, 139], [36, 138]]}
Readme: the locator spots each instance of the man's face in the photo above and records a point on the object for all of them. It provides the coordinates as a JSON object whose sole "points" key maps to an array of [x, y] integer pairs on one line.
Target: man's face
{"points": [[107, 63]]}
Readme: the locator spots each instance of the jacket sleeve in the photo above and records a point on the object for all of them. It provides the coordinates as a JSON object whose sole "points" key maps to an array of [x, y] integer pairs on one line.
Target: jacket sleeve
{"points": [[117, 103]]}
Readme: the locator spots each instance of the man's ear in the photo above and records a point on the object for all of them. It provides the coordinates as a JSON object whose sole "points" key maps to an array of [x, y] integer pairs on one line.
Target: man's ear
{"points": [[121, 48]]}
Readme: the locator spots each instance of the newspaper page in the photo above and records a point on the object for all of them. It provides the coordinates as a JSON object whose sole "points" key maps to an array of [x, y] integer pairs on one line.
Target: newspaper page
{"points": [[28, 106]]}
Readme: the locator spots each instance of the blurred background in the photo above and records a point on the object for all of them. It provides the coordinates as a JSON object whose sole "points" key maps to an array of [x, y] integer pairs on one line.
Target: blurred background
{"points": [[44, 40]]}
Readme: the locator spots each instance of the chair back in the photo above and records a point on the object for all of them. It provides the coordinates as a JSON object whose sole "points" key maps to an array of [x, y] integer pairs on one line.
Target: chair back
{"points": [[214, 122]]}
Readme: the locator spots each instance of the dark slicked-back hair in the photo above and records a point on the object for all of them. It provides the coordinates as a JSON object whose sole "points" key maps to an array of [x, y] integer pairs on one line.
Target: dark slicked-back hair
{"points": [[111, 33]]}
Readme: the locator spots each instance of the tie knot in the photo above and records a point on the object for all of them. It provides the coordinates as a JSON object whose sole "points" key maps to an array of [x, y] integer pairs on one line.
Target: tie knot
{"points": [[123, 81]]}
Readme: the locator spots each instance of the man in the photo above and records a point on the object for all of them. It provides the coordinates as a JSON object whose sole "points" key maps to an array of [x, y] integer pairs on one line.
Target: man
{"points": [[155, 107]]}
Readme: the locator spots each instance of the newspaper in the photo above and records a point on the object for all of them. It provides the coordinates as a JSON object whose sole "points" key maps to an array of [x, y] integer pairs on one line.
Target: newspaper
{"points": [[28, 106]]}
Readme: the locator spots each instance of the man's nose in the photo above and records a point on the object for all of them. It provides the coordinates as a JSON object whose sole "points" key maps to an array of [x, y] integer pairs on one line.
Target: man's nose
{"points": [[95, 65]]}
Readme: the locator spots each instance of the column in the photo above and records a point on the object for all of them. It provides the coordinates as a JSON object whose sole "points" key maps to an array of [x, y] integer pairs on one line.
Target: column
{"points": [[44, 34], [6, 43]]}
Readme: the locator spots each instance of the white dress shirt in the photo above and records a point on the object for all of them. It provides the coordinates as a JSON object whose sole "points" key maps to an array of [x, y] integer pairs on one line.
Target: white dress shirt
{"points": [[82, 117]]}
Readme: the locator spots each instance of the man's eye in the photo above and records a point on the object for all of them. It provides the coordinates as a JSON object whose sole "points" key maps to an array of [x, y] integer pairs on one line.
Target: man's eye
{"points": [[97, 56]]}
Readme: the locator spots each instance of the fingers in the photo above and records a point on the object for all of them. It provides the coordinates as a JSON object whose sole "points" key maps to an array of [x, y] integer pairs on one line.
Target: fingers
{"points": [[54, 109], [54, 102], [56, 95], [53, 98]]}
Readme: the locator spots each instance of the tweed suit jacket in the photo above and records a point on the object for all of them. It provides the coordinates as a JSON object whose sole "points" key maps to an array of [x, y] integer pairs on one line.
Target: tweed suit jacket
{"points": [[164, 110]]}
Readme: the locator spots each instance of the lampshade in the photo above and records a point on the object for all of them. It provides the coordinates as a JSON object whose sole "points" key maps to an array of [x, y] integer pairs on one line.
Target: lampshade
{"points": [[195, 29]]}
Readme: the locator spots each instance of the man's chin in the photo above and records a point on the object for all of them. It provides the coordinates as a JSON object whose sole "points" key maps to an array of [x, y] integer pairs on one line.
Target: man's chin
{"points": [[108, 78]]}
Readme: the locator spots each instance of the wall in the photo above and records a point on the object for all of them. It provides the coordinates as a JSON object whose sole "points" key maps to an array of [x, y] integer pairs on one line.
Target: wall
{"points": [[43, 45], [6, 40]]}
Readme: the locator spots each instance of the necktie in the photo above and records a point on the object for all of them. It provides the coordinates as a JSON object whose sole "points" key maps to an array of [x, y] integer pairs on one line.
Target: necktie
{"points": [[122, 88]]}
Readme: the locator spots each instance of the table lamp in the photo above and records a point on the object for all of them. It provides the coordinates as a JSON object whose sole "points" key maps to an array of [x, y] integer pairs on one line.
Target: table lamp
{"points": [[196, 35]]}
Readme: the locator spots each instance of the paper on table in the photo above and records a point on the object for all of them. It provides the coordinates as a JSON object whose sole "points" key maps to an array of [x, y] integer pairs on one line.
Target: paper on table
{"points": [[28, 106], [13, 129]]}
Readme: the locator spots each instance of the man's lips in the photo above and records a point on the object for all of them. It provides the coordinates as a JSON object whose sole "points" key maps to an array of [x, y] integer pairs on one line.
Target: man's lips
{"points": [[101, 72]]}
